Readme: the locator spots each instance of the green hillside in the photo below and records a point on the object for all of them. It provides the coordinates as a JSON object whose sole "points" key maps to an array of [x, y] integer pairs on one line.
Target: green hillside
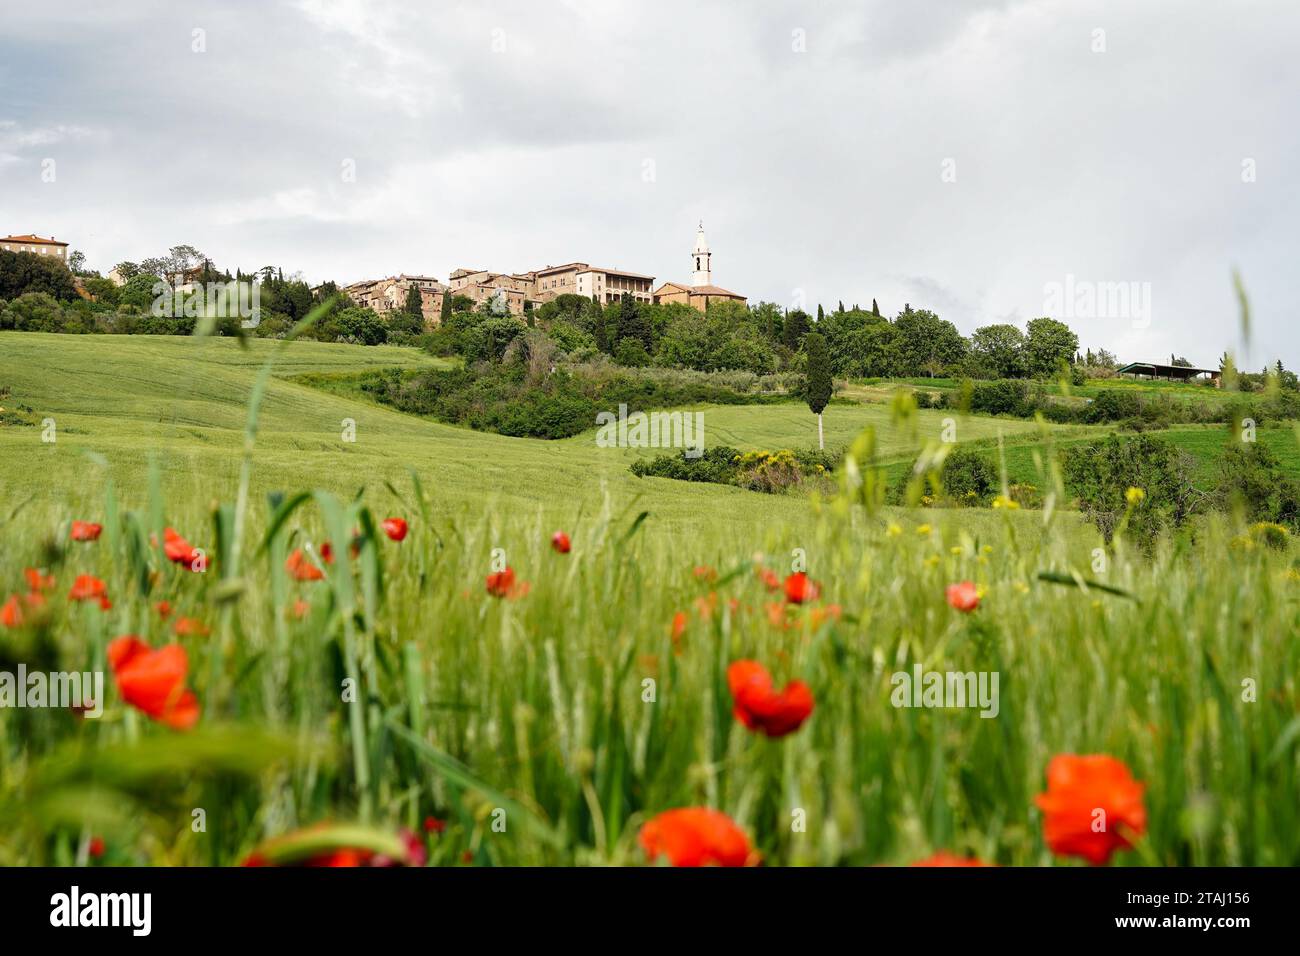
{"points": [[182, 403], [533, 700]]}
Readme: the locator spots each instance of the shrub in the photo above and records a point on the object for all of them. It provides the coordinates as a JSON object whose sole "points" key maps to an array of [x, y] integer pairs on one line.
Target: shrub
{"points": [[1101, 473], [360, 325], [718, 465], [570, 338], [772, 472], [630, 352], [532, 396], [1005, 397], [966, 478], [1251, 478], [966, 475], [1271, 535], [1113, 405], [488, 340]]}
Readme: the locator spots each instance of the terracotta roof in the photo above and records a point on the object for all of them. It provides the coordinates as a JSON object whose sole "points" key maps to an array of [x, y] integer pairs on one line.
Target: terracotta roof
{"points": [[579, 266], [700, 290], [33, 239], [620, 272], [713, 290]]}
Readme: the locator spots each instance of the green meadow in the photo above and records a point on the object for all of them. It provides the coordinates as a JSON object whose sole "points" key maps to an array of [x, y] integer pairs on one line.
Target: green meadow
{"points": [[546, 726]]}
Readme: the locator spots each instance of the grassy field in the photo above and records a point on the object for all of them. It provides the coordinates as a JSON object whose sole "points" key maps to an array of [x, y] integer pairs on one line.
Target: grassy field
{"points": [[548, 725], [875, 389]]}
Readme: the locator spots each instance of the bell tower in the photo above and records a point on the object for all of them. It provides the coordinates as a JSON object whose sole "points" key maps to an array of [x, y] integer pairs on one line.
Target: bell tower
{"points": [[701, 260]]}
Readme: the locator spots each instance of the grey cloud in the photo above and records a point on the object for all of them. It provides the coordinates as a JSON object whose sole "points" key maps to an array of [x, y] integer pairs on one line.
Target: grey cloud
{"points": [[816, 171]]}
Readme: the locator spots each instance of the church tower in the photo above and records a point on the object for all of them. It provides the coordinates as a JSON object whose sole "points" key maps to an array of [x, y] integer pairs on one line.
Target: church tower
{"points": [[702, 259]]}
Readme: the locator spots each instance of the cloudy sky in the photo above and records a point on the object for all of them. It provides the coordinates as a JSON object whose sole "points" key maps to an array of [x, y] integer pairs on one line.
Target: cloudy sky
{"points": [[969, 156]]}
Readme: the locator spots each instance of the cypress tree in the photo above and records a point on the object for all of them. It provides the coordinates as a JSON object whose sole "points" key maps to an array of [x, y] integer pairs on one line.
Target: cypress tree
{"points": [[414, 306], [817, 383]]}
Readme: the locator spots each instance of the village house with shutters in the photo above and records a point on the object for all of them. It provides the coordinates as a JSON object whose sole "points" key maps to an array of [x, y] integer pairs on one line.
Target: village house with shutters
{"points": [[37, 245]]}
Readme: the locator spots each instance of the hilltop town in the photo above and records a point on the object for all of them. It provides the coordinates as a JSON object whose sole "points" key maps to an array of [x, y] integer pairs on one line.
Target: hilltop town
{"points": [[518, 293], [514, 293]]}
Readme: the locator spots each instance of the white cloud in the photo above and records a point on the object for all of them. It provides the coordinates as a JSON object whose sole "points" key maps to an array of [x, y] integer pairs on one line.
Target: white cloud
{"points": [[510, 134]]}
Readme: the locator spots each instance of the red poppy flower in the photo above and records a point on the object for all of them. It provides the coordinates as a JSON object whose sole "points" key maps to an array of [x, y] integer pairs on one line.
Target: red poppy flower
{"points": [[87, 587], [944, 858], [560, 542], [96, 847], [37, 582], [190, 627], [86, 531], [831, 612], [1092, 807], [154, 681], [963, 596], [696, 836], [434, 825], [300, 608], [395, 528], [706, 605], [416, 855], [680, 620], [771, 580], [760, 707], [502, 584], [301, 567], [164, 609], [179, 551], [11, 614], [316, 846], [703, 572], [340, 858], [799, 589]]}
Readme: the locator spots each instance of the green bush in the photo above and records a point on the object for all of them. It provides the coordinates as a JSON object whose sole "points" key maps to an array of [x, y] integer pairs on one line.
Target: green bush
{"points": [[1004, 397], [1251, 478], [23, 273], [1101, 473], [512, 398], [718, 465], [771, 472], [968, 476]]}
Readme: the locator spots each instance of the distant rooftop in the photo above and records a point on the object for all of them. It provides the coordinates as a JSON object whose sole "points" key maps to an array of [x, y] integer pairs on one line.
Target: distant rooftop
{"points": [[1158, 370], [29, 238]]}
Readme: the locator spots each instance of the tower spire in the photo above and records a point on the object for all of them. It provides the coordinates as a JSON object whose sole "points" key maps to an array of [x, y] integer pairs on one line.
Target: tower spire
{"points": [[702, 260]]}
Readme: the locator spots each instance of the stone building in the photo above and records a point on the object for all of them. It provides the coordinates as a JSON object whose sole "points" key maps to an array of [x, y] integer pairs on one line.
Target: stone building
{"points": [[36, 245], [580, 278], [508, 291], [389, 295], [701, 292]]}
